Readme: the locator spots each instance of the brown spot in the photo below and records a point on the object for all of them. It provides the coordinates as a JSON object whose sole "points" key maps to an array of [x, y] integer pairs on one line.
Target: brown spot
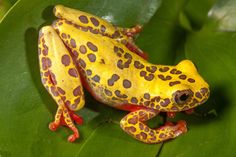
{"points": [[116, 49], [115, 34], [164, 69], [102, 61], [61, 91], [72, 72], [162, 135], [92, 47], [91, 57], [178, 72], [103, 28], [94, 21], [150, 77], [152, 133], [143, 73], [82, 63], [76, 102], [193, 102], [77, 91], [133, 120], [141, 126], [151, 69], [182, 77], [94, 31], [165, 102], [174, 83], [204, 91], [122, 65], [88, 72], [138, 65], [96, 78], [126, 83], [72, 43], [162, 77], [83, 19], [198, 95], [174, 108], [108, 92], [119, 95], [157, 98], [63, 35], [130, 129], [175, 71], [185, 108], [54, 91], [67, 104], [134, 100], [82, 49], [46, 63], [45, 50], [146, 103], [127, 55], [75, 53], [152, 105], [144, 135], [65, 60], [191, 80], [113, 79], [68, 22], [147, 96]]}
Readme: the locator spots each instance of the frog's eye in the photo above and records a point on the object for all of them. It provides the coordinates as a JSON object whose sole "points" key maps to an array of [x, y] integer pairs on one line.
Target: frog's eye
{"points": [[181, 97]]}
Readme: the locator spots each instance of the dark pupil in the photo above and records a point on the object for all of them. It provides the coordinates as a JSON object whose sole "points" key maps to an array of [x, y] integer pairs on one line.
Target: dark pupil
{"points": [[183, 97]]}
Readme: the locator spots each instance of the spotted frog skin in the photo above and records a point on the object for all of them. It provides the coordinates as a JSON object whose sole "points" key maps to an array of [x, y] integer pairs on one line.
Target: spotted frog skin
{"points": [[81, 50]]}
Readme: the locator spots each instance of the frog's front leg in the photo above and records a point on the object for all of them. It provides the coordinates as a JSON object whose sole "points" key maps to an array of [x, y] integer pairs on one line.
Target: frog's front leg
{"points": [[134, 125], [61, 79]]}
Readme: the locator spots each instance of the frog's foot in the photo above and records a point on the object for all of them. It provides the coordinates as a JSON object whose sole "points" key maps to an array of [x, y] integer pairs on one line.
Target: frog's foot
{"points": [[133, 124], [55, 124], [66, 117], [131, 32], [174, 130], [171, 114]]}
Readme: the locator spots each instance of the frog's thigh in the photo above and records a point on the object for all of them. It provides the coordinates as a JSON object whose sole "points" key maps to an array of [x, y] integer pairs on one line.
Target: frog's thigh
{"points": [[58, 72], [133, 124]]}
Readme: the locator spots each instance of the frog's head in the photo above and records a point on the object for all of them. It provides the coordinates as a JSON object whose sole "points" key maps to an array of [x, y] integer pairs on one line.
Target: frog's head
{"points": [[186, 88]]}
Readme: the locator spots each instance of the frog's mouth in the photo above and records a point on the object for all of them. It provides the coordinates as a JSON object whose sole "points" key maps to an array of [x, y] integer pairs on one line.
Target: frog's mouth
{"points": [[172, 114]]}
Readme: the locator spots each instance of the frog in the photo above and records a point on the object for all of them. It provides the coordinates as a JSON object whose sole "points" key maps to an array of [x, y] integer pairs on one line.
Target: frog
{"points": [[83, 51]]}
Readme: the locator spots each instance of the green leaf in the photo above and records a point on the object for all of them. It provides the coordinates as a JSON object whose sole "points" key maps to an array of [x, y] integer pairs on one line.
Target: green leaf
{"points": [[213, 50], [176, 30], [26, 107], [4, 6]]}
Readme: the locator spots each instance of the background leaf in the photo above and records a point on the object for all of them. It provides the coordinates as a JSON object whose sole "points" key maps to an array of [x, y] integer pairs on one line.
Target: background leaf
{"points": [[4, 6], [203, 31]]}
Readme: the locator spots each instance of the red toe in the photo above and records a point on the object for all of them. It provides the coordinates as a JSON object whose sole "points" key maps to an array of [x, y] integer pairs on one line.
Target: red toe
{"points": [[53, 126]]}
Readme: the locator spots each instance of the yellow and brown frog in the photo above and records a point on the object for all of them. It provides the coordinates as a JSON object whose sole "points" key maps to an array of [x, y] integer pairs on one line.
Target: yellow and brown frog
{"points": [[81, 50]]}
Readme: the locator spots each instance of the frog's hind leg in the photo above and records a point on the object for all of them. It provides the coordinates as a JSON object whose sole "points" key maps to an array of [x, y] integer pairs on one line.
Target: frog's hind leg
{"points": [[61, 79], [134, 125], [96, 25]]}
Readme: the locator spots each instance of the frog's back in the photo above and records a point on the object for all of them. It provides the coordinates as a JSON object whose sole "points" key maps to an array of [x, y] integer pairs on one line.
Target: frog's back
{"points": [[109, 67]]}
